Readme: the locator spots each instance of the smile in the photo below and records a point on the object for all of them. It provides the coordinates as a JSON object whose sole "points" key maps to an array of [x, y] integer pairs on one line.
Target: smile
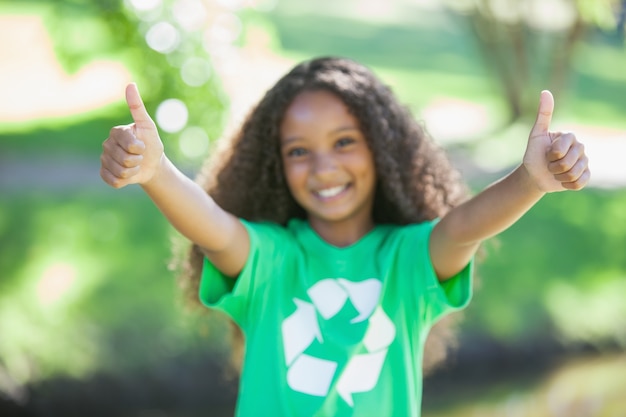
{"points": [[331, 192]]}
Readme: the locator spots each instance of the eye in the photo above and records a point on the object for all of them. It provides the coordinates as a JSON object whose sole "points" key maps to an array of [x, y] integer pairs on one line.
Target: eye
{"points": [[295, 152], [345, 141]]}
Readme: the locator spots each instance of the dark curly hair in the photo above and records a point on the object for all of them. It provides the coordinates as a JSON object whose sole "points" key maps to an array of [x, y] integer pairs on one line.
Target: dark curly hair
{"points": [[415, 180]]}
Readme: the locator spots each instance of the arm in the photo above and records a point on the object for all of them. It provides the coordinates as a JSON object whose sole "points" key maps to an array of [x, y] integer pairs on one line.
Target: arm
{"points": [[553, 161], [133, 154]]}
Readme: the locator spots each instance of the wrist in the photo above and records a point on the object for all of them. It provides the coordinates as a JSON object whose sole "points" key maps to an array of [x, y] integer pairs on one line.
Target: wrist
{"points": [[528, 182], [160, 171]]}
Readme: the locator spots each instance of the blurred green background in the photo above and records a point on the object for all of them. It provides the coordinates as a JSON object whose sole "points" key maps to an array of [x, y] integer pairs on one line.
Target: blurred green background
{"points": [[91, 319]]}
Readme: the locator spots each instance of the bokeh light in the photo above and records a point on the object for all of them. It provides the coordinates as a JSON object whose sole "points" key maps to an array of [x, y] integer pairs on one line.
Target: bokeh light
{"points": [[195, 71], [552, 16], [194, 142], [145, 5], [226, 28], [163, 37], [172, 115], [231, 4], [57, 279], [191, 15]]}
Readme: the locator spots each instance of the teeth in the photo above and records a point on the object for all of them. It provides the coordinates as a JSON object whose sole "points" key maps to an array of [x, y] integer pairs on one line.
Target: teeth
{"points": [[331, 192]]}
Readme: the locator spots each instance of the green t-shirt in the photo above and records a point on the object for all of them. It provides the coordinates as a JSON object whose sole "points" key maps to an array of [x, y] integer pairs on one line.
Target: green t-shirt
{"points": [[334, 331]]}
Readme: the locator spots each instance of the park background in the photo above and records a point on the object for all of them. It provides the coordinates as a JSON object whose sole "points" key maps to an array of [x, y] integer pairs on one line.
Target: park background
{"points": [[91, 318]]}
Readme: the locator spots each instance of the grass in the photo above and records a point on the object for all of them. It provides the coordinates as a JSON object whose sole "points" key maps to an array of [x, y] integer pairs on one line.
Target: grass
{"points": [[85, 276]]}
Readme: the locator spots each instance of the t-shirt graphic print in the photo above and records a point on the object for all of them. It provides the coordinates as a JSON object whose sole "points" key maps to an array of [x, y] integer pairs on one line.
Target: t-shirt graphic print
{"points": [[313, 375]]}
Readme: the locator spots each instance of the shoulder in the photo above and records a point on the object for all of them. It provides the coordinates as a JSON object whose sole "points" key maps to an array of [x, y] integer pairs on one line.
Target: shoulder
{"points": [[413, 231], [268, 236], [266, 229]]}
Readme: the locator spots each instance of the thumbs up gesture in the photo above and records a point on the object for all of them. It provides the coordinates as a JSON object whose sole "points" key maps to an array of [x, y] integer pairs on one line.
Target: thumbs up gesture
{"points": [[556, 161], [132, 153]]}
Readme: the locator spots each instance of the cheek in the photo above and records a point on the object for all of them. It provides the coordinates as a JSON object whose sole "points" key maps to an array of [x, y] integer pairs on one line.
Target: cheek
{"points": [[366, 166], [294, 175], [368, 172]]}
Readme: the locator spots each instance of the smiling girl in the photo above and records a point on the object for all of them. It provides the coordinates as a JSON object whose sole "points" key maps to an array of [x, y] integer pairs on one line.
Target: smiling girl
{"points": [[335, 234]]}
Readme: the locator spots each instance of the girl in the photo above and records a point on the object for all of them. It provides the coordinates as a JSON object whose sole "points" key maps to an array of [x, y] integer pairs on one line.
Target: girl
{"points": [[335, 234]]}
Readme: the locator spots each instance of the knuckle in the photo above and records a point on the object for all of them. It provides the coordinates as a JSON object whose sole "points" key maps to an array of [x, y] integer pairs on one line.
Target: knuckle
{"points": [[577, 186], [117, 183], [136, 147], [559, 166], [116, 130], [556, 153], [124, 173], [128, 161]]}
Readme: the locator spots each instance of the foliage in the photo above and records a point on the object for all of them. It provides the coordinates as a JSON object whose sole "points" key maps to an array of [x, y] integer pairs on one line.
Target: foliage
{"points": [[83, 30], [529, 43], [429, 54], [86, 286], [554, 270]]}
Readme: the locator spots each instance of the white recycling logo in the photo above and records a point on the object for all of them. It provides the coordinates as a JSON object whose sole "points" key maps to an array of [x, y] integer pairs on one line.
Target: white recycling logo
{"points": [[313, 376]]}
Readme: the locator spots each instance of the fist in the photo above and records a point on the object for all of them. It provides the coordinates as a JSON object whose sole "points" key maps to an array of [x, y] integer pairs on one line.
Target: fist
{"points": [[132, 153], [556, 161]]}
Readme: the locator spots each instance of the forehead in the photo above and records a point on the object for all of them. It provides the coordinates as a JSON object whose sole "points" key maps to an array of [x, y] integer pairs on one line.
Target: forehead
{"points": [[315, 107]]}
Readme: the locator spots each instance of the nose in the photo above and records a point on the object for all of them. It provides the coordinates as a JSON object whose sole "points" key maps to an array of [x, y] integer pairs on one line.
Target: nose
{"points": [[324, 164]]}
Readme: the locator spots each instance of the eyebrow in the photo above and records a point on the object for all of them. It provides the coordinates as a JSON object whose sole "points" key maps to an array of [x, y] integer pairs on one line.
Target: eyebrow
{"points": [[332, 132]]}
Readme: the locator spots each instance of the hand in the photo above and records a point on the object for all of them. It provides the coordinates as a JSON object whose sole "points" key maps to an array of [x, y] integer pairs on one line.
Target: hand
{"points": [[556, 161], [132, 153]]}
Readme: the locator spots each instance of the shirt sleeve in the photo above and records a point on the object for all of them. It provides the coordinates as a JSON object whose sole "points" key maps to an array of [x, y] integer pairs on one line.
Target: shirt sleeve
{"points": [[236, 297], [434, 298]]}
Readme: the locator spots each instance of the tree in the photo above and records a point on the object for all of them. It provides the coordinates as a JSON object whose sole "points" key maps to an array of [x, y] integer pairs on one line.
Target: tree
{"points": [[528, 42], [165, 45]]}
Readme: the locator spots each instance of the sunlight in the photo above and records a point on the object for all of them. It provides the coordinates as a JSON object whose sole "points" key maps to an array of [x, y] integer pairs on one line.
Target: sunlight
{"points": [[172, 115], [55, 282], [554, 15], [35, 86], [145, 5], [163, 37], [190, 14], [605, 148], [226, 28], [470, 119]]}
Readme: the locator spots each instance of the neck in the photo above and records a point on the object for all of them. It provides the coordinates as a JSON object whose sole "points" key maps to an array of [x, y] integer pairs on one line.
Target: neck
{"points": [[341, 234]]}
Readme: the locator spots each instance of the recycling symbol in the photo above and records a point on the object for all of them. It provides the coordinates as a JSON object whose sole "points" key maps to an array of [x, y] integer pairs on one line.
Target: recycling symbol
{"points": [[312, 375]]}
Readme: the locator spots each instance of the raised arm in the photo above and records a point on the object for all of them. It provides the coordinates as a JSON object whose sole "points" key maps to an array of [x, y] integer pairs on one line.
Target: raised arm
{"points": [[553, 161], [133, 154]]}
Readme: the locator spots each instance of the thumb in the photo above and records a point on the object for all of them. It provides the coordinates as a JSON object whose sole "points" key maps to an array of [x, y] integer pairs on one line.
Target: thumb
{"points": [[544, 114], [137, 109]]}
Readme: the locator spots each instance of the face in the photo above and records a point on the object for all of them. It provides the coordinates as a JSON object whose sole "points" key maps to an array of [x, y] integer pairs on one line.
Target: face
{"points": [[328, 164]]}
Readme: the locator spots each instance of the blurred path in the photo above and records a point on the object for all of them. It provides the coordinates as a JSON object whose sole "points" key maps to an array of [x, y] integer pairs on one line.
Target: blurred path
{"points": [[34, 86]]}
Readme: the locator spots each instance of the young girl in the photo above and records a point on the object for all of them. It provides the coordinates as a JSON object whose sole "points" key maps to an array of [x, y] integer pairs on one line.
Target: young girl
{"points": [[335, 234]]}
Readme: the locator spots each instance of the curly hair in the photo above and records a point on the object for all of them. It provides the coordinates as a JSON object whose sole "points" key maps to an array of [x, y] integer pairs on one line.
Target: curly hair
{"points": [[415, 180]]}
